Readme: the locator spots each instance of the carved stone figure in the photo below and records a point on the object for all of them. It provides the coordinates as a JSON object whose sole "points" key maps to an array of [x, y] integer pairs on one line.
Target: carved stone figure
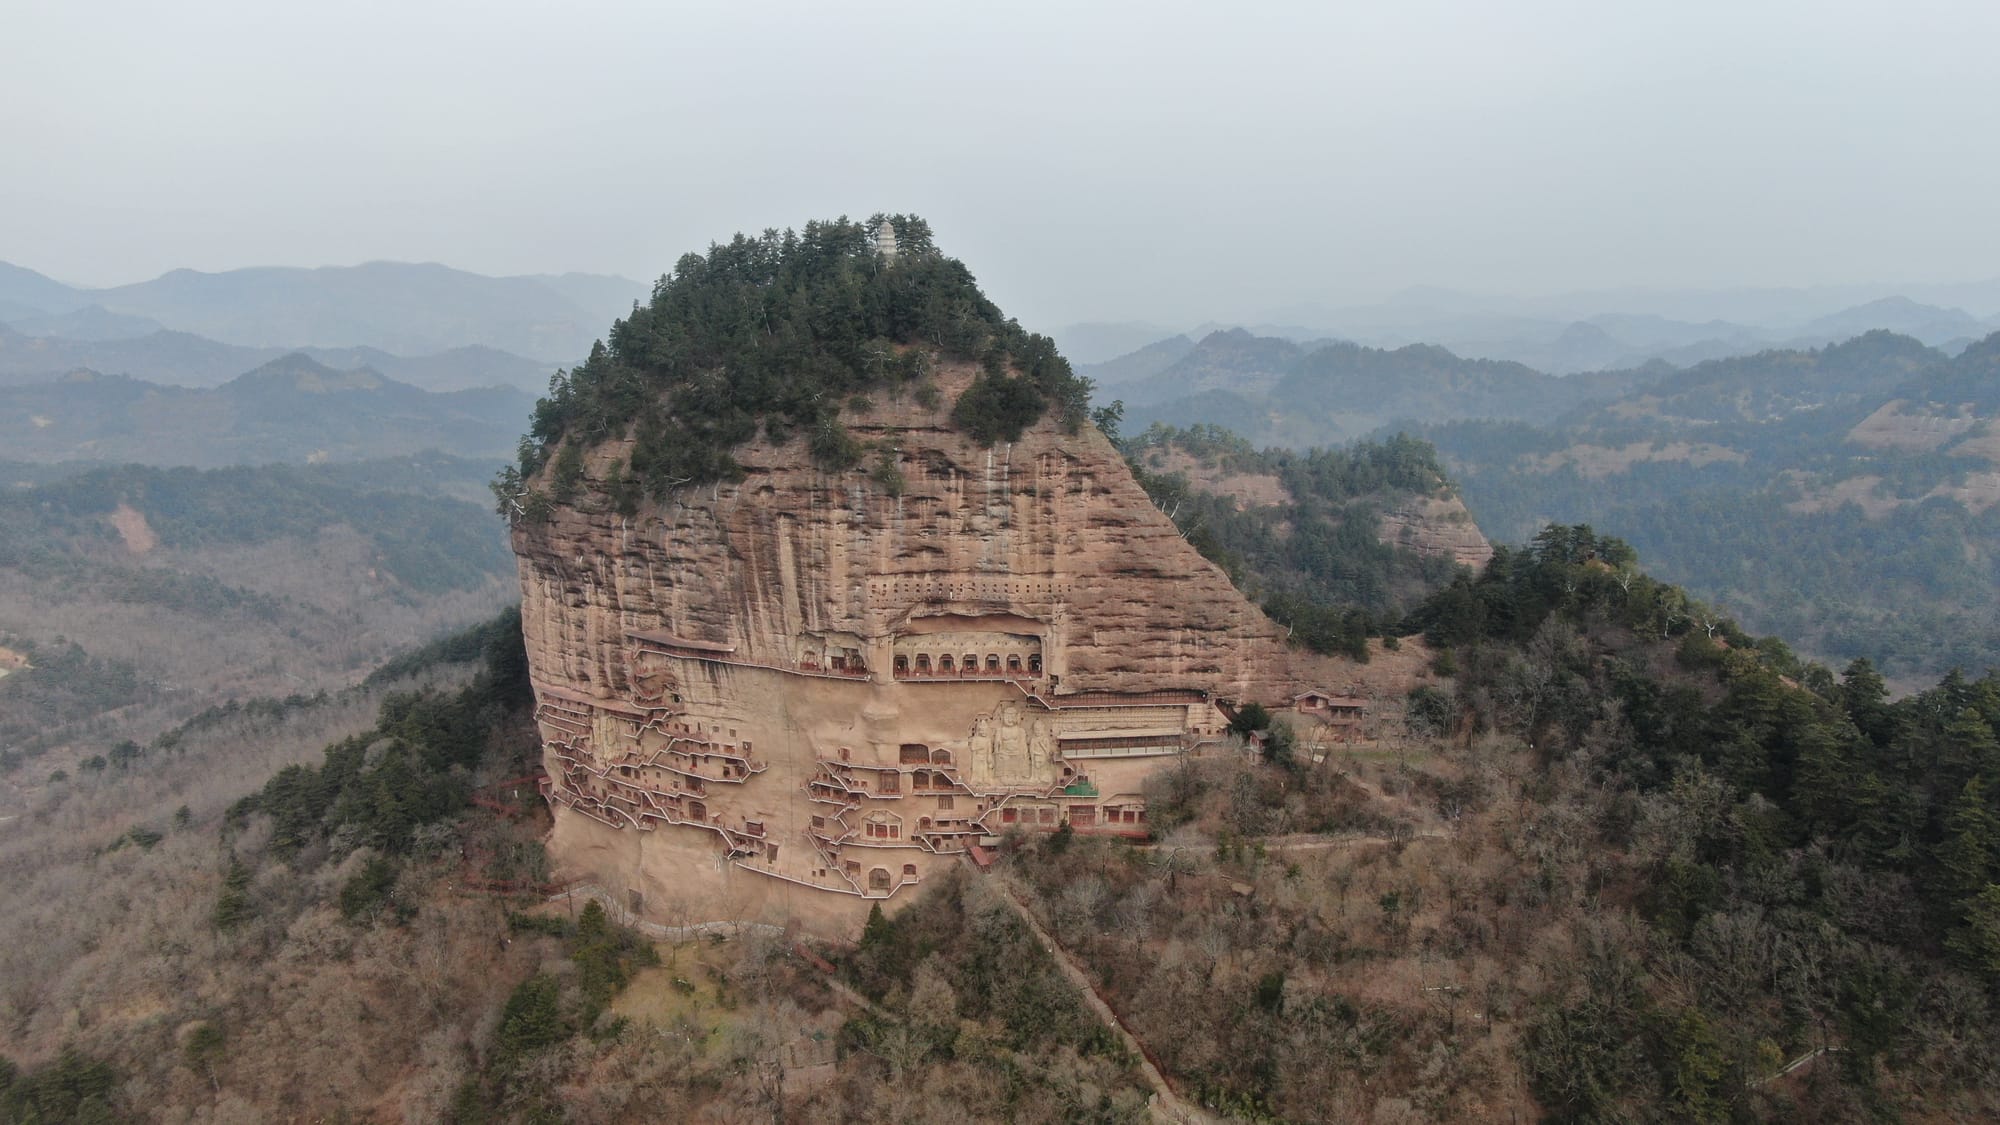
{"points": [[977, 768], [607, 737], [650, 677], [1013, 759], [1042, 751]]}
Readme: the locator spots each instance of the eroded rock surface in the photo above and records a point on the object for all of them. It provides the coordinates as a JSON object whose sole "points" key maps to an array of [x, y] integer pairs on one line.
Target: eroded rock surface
{"points": [[1434, 526], [793, 695]]}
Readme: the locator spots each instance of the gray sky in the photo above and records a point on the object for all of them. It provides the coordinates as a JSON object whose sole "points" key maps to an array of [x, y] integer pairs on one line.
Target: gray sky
{"points": [[1160, 160]]}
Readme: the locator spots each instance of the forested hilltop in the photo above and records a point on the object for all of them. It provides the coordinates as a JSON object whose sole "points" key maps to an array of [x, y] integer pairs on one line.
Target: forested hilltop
{"points": [[776, 334], [1336, 544]]}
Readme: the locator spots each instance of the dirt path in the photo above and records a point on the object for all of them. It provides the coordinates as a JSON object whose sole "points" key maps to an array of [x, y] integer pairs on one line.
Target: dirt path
{"points": [[1304, 841], [1167, 1105]]}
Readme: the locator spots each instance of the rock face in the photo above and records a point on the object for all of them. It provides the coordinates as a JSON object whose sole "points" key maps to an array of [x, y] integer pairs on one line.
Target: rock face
{"points": [[787, 697], [1436, 526]]}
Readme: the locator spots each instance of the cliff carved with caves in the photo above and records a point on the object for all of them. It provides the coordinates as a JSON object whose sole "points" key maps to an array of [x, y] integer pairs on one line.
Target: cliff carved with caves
{"points": [[793, 694]]}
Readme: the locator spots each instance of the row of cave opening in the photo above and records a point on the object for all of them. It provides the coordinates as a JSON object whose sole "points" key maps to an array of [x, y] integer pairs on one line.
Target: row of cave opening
{"points": [[970, 665]]}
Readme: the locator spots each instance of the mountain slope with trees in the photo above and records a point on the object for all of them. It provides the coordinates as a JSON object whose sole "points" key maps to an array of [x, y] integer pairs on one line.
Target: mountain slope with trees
{"points": [[1303, 534], [137, 596], [1843, 497]]}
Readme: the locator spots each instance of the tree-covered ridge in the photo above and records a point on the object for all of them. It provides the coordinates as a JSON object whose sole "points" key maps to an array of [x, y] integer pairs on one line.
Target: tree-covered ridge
{"points": [[414, 768], [1325, 392], [778, 332], [1315, 560], [429, 543], [1818, 865], [1841, 497]]}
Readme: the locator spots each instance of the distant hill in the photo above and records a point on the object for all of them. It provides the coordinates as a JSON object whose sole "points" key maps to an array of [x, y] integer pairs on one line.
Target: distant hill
{"points": [[1277, 392], [187, 360], [22, 288], [1142, 364], [1929, 323], [595, 292], [292, 409], [1618, 329], [398, 307], [90, 323], [458, 369], [1093, 342], [1846, 496]]}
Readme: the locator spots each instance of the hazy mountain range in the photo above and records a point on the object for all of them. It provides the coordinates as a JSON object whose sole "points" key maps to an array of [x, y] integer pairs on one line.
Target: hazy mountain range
{"points": [[437, 327], [186, 360], [1845, 496], [292, 409], [1601, 330], [1278, 392]]}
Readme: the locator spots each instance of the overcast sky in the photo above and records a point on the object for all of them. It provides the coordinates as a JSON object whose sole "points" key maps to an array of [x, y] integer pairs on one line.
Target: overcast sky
{"points": [[1147, 160]]}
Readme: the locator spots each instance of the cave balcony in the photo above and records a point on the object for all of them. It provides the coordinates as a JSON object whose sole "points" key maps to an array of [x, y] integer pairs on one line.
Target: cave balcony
{"points": [[823, 838], [567, 718], [843, 800], [946, 837], [885, 784], [698, 760], [1024, 678]]}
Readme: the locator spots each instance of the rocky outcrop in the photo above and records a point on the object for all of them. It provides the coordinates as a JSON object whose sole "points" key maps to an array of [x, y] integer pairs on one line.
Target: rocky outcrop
{"points": [[1433, 526], [790, 695]]}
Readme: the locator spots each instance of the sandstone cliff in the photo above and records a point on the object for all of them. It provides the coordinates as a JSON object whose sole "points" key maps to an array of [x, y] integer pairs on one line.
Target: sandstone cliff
{"points": [[833, 640], [793, 564], [810, 682], [1436, 526]]}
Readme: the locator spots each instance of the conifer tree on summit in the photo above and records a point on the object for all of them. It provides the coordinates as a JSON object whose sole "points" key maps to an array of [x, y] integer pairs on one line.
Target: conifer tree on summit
{"points": [[774, 334]]}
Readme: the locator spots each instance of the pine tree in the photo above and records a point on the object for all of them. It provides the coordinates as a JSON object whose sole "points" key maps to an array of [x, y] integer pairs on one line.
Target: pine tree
{"points": [[232, 907], [1865, 697], [532, 1018], [1969, 857]]}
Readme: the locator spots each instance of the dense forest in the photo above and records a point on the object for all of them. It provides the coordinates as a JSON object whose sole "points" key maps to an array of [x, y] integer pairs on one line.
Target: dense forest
{"points": [[1649, 869], [418, 540], [1312, 556], [776, 334], [1815, 864]]}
